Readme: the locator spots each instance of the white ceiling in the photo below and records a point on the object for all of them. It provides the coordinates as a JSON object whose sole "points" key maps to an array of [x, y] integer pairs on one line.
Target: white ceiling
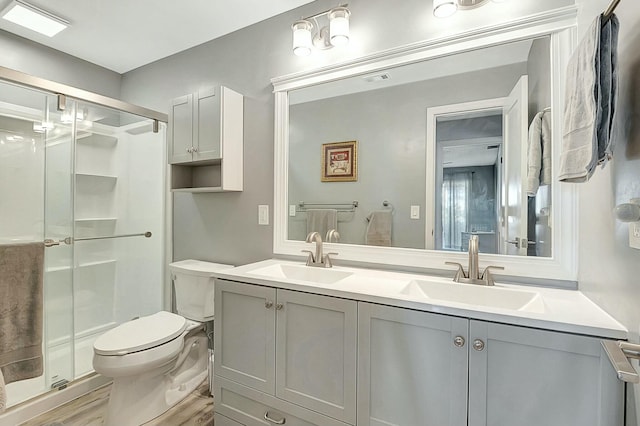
{"points": [[125, 34]]}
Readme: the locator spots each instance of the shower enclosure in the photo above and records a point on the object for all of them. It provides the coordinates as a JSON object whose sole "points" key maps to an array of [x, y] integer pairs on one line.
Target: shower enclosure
{"points": [[87, 178]]}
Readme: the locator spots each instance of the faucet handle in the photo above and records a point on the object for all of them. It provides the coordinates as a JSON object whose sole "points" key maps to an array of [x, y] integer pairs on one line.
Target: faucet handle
{"points": [[459, 273], [310, 258], [327, 260], [487, 276]]}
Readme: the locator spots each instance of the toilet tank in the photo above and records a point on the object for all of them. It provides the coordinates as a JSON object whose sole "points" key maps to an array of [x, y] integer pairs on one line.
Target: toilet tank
{"points": [[193, 281]]}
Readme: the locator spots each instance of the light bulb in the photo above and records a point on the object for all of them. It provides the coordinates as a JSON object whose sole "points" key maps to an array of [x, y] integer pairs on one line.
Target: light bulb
{"points": [[302, 37], [339, 26]]}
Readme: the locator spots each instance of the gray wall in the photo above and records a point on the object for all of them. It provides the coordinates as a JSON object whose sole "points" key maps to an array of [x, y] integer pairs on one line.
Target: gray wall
{"points": [[32, 58], [609, 271], [390, 127]]}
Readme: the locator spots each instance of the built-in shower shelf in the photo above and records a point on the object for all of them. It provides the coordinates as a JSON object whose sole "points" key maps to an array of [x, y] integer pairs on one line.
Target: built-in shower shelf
{"points": [[96, 219], [93, 182], [96, 176], [96, 263], [96, 139]]}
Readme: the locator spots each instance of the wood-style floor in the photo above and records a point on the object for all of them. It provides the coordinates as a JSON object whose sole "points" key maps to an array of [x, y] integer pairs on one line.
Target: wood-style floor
{"points": [[195, 410]]}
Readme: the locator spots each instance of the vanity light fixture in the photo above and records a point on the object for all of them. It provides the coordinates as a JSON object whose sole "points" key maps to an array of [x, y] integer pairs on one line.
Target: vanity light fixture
{"points": [[308, 33], [446, 8], [34, 18]]}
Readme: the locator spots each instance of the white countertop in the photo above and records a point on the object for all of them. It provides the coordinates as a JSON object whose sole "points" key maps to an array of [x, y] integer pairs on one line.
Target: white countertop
{"points": [[557, 309]]}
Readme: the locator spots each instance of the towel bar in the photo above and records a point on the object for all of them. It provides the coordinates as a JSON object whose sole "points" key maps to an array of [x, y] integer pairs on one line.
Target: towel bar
{"points": [[619, 353], [69, 240]]}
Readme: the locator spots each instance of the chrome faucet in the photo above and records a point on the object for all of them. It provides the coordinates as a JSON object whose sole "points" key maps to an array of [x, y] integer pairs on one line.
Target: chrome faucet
{"points": [[318, 259], [473, 275]]}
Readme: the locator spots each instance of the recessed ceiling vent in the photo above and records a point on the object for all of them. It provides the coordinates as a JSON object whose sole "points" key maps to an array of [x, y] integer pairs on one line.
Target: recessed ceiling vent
{"points": [[376, 77]]}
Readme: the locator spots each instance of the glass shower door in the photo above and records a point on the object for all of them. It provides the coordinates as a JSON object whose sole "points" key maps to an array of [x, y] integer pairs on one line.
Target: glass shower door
{"points": [[36, 204]]}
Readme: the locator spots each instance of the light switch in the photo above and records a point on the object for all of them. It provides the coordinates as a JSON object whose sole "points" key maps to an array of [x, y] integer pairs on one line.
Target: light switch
{"points": [[634, 235], [263, 214], [292, 210], [415, 212]]}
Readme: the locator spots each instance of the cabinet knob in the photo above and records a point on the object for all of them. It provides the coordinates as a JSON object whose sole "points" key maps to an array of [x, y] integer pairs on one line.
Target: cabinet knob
{"points": [[268, 304], [279, 306], [189, 150], [268, 418], [459, 341], [478, 345], [194, 149]]}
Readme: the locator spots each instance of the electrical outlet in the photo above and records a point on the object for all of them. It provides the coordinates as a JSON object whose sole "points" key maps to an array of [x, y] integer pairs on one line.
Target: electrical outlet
{"points": [[263, 214], [292, 210], [634, 235]]}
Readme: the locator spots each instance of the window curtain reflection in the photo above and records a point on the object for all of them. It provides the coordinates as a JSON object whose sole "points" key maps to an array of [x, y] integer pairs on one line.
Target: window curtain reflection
{"points": [[456, 195]]}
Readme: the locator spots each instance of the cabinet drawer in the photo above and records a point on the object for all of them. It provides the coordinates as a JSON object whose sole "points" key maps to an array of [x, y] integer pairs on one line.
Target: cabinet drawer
{"points": [[249, 407], [220, 420]]}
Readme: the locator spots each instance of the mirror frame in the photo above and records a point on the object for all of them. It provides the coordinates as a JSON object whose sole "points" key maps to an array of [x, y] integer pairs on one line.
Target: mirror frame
{"points": [[560, 24]]}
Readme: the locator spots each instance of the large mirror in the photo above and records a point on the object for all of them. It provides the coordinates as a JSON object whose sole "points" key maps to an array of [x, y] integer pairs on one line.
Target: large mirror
{"points": [[409, 161]]}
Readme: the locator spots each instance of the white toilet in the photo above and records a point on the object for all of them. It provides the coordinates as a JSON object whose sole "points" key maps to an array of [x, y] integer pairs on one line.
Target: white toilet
{"points": [[157, 360]]}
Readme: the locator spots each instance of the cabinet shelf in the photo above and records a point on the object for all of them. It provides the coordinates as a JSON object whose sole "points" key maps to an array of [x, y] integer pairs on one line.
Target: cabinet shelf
{"points": [[200, 189]]}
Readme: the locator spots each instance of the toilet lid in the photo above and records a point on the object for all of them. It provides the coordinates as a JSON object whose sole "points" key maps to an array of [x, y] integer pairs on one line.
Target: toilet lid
{"points": [[140, 334]]}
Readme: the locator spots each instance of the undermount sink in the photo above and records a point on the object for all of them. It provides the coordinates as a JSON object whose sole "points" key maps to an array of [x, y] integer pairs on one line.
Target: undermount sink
{"points": [[302, 273], [470, 294]]}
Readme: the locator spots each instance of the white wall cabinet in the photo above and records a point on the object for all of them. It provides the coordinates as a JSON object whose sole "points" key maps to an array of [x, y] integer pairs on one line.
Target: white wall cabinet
{"points": [[415, 369], [206, 141], [291, 348]]}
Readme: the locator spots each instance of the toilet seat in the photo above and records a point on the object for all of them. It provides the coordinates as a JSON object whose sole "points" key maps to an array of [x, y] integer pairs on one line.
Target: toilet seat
{"points": [[141, 334]]}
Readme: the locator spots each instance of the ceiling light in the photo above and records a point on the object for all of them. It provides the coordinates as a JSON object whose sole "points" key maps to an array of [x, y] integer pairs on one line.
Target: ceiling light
{"points": [[34, 18], [333, 32], [444, 8]]}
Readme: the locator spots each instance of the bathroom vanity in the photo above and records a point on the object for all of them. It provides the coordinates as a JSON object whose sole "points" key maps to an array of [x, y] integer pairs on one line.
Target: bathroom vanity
{"points": [[299, 345]]}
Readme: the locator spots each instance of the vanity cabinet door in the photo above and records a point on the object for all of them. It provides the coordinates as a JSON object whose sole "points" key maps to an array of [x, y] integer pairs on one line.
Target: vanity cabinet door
{"points": [[526, 377], [316, 353], [412, 367], [244, 334]]}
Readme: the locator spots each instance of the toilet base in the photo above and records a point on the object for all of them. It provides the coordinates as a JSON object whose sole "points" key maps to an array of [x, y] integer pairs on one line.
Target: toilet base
{"points": [[135, 400]]}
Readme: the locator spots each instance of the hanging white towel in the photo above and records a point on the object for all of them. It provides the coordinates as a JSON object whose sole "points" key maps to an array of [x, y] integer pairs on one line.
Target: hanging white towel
{"points": [[539, 153], [321, 220], [579, 140], [379, 228]]}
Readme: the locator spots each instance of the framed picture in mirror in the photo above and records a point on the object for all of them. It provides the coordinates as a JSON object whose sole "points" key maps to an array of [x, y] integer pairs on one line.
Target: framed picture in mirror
{"points": [[340, 162]]}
